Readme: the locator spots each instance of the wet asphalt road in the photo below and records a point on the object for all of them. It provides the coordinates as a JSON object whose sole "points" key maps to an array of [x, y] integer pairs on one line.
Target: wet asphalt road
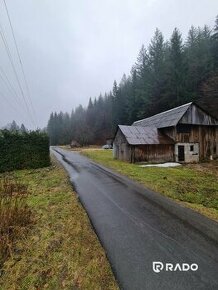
{"points": [[136, 232]]}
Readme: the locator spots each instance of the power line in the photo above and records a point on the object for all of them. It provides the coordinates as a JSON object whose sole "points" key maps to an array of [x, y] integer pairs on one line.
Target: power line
{"points": [[19, 57], [7, 82], [9, 86], [15, 72], [9, 103]]}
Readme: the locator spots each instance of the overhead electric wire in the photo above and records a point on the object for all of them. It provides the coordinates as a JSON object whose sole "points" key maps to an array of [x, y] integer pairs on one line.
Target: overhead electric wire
{"points": [[20, 60], [8, 84], [10, 104], [6, 81], [12, 92], [15, 72]]}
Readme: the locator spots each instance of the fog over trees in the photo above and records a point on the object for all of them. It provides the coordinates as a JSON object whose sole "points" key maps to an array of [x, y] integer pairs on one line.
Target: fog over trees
{"points": [[167, 73]]}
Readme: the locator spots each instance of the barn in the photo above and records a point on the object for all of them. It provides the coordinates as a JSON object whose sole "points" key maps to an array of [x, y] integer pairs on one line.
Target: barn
{"points": [[184, 134]]}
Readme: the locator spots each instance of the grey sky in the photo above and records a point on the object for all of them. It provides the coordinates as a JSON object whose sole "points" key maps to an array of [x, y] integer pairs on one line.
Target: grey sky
{"points": [[72, 50]]}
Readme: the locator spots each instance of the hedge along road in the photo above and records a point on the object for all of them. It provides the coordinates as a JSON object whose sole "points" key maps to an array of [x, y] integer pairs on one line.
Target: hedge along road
{"points": [[136, 232]]}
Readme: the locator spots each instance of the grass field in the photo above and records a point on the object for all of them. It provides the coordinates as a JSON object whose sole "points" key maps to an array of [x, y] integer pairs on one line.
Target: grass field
{"points": [[60, 249], [196, 186]]}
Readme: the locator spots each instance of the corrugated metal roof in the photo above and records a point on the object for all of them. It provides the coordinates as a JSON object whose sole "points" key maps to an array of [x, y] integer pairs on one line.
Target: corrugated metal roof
{"points": [[136, 135], [165, 119]]}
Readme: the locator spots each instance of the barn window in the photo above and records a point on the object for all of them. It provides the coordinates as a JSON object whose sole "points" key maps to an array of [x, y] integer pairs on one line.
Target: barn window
{"points": [[191, 148]]}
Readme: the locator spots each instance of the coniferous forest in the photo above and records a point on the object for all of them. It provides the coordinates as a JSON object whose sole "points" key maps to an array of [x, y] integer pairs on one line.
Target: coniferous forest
{"points": [[166, 74]]}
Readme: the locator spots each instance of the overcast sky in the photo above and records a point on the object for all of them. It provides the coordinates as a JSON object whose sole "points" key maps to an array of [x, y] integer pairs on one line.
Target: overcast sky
{"points": [[74, 49]]}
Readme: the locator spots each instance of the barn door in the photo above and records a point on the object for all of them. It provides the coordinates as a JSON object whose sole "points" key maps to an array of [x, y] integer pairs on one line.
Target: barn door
{"points": [[181, 153]]}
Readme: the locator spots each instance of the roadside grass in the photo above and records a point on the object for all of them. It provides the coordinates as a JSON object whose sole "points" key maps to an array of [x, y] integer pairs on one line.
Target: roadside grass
{"points": [[61, 250], [190, 185], [88, 147], [15, 215]]}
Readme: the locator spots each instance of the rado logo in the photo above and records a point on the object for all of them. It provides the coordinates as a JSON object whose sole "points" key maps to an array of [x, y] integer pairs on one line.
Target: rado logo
{"points": [[159, 266]]}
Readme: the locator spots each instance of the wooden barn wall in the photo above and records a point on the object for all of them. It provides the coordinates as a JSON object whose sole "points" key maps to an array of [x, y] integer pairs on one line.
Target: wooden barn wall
{"points": [[121, 149], [153, 153], [206, 136]]}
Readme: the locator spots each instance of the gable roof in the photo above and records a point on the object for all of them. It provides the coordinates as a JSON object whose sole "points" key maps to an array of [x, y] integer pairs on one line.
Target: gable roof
{"points": [[136, 135], [165, 119], [197, 116], [189, 113]]}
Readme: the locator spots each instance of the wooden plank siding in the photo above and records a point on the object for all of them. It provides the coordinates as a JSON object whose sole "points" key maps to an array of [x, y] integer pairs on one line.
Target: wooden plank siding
{"points": [[121, 149], [206, 136], [139, 153], [153, 153]]}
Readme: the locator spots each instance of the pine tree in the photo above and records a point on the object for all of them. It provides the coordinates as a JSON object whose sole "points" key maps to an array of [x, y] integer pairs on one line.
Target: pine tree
{"points": [[176, 72], [14, 127], [23, 128], [141, 90], [156, 60], [214, 46]]}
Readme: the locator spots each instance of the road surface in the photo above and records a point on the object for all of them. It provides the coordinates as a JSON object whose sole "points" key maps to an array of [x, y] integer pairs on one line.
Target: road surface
{"points": [[136, 232]]}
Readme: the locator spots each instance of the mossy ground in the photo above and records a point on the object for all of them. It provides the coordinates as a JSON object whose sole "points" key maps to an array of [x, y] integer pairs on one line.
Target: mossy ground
{"points": [[61, 250]]}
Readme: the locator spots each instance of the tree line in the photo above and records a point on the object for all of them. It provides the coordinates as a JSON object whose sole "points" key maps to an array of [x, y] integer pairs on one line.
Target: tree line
{"points": [[14, 127], [166, 74]]}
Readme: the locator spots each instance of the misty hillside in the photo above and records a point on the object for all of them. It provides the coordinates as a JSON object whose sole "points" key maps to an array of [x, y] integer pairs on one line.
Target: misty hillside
{"points": [[166, 74]]}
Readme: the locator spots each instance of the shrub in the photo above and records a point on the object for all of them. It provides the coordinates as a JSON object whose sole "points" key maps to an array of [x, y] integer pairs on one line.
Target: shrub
{"points": [[23, 150]]}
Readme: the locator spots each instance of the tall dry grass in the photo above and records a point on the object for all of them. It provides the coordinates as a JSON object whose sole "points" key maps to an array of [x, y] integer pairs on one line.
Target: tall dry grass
{"points": [[15, 214]]}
